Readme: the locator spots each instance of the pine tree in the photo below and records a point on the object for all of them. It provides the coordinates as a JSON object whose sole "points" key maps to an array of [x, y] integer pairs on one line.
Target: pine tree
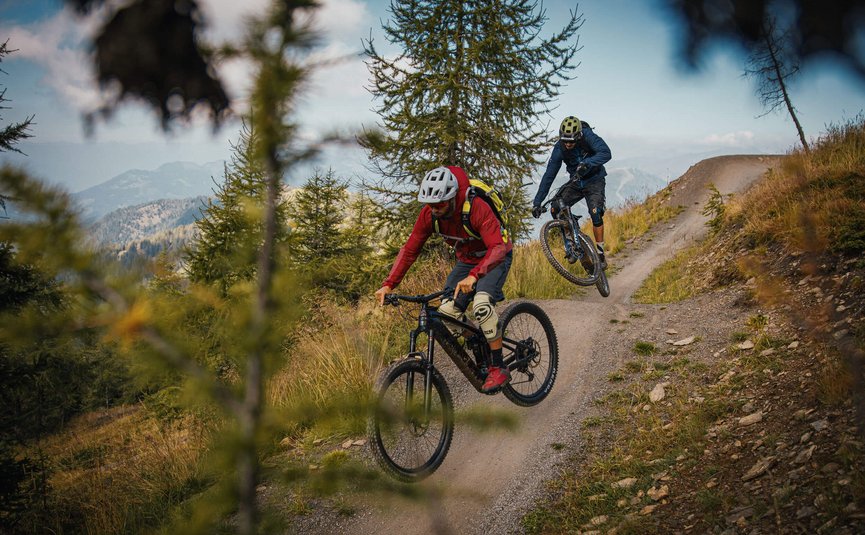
{"points": [[14, 132], [11, 133], [332, 238], [230, 230], [318, 210], [468, 88]]}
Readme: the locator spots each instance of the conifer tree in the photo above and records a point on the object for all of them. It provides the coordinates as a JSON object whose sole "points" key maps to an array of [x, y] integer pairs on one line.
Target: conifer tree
{"points": [[318, 210], [229, 232], [14, 132], [332, 236], [11, 133], [469, 87]]}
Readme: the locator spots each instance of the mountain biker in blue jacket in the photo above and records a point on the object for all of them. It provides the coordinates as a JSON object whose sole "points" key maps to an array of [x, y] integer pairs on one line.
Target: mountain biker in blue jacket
{"points": [[584, 154]]}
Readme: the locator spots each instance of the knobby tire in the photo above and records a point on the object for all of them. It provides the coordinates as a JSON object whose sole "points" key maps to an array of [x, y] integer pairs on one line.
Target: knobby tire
{"points": [[603, 284], [406, 444], [552, 235]]}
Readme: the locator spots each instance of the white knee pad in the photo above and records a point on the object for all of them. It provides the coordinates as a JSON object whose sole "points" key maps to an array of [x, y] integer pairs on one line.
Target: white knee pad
{"points": [[448, 308], [485, 314]]}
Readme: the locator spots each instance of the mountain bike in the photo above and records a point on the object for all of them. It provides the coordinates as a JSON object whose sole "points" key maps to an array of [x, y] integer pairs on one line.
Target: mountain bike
{"points": [[570, 251], [411, 424]]}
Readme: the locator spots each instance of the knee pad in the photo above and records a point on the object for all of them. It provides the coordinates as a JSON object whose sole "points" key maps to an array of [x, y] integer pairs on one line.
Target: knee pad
{"points": [[486, 316], [597, 217], [450, 308]]}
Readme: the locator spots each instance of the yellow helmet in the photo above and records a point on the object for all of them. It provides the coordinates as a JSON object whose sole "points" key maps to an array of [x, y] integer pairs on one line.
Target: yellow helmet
{"points": [[571, 129]]}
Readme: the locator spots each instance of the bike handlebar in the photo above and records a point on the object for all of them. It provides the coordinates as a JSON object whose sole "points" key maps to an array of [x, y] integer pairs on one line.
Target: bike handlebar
{"points": [[394, 299]]}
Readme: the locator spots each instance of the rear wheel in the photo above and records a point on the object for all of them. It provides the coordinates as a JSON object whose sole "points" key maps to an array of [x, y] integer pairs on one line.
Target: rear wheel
{"points": [[531, 352], [583, 270], [408, 439]]}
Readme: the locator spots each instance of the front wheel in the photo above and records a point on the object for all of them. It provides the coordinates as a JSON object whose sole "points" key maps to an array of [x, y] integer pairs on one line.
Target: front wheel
{"points": [[531, 352], [581, 266], [409, 432], [603, 284]]}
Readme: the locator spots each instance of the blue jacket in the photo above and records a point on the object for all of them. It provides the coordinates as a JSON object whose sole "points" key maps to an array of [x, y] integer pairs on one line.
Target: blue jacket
{"points": [[592, 151]]}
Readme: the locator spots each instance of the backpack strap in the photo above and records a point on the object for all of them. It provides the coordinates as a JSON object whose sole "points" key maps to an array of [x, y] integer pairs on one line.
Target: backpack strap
{"points": [[471, 193], [435, 222], [584, 145]]}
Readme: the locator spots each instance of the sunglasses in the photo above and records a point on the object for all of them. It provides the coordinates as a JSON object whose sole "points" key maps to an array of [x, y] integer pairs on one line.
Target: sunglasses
{"points": [[439, 205]]}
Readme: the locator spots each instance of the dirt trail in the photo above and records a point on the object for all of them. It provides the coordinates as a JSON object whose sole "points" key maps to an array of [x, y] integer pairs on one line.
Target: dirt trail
{"points": [[478, 495]]}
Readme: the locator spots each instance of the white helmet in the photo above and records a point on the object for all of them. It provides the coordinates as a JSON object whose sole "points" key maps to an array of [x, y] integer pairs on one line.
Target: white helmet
{"points": [[438, 185]]}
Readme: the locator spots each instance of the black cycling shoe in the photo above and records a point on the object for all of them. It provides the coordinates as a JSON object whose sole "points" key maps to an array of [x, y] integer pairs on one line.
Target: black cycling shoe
{"points": [[603, 261]]}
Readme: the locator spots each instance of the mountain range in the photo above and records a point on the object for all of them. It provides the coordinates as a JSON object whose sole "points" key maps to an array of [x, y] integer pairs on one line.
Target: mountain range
{"points": [[175, 180], [147, 211]]}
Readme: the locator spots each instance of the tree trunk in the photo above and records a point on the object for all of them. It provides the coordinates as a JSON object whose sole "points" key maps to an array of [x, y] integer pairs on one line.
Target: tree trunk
{"points": [[783, 87], [251, 411]]}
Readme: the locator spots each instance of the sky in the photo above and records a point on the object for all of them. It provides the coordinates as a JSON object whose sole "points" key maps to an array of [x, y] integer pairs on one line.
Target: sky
{"points": [[629, 85]]}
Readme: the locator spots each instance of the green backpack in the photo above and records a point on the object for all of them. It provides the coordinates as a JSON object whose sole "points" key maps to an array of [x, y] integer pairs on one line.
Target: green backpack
{"points": [[490, 195]]}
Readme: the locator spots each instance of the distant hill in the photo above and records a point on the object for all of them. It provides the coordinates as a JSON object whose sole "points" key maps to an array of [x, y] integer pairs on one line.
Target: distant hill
{"points": [[134, 223], [631, 184], [176, 180]]}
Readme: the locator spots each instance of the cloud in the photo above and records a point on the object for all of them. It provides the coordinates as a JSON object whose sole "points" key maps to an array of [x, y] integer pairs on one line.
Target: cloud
{"points": [[741, 138], [58, 45], [336, 20]]}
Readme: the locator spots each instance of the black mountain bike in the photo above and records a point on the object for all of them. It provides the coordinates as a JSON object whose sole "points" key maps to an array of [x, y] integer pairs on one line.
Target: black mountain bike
{"points": [[571, 252], [411, 424]]}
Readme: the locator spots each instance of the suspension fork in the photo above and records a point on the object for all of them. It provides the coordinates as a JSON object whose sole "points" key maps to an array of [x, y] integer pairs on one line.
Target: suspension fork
{"points": [[423, 327]]}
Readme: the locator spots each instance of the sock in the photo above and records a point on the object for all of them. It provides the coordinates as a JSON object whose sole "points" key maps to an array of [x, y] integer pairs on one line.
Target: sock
{"points": [[498, 360], [600, 246]]}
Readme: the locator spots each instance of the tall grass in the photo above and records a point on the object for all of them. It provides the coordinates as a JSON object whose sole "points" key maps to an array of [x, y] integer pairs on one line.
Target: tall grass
{"points": [[816, 201], [120, 471], [532, 277]]}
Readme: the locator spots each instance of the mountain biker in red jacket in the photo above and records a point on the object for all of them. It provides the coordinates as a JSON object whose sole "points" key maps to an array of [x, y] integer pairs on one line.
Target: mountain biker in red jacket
{"points": [[482, 264]]}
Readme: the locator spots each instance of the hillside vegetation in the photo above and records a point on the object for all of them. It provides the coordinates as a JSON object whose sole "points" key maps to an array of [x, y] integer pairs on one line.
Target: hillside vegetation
{"points": [[136, 450], [754, 424], [153, 448]]}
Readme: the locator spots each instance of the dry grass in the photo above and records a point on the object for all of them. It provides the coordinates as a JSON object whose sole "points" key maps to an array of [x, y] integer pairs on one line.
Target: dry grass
{"points": [[815, 201], [533, 277], [634, 219], [670, 282], [120, 471]]}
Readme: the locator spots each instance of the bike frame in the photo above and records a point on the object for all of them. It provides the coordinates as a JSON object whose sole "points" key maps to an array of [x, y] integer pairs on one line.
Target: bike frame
{"points": [[563, 213], [432, 323]]}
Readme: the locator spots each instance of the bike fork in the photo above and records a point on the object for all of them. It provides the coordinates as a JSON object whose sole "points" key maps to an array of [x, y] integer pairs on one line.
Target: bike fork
{"points": [[570, 242]]}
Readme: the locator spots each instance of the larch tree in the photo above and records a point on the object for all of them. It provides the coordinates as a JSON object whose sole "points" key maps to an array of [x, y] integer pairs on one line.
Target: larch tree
{"points": [[229, 231], [471, 86], [153, 51], [772, 68]]}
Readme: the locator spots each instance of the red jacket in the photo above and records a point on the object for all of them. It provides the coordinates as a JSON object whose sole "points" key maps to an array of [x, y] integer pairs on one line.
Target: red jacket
{"points": [[486, 253]]}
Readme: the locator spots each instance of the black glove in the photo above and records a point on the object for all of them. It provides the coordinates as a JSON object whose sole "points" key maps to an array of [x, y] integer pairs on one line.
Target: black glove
{"points": [[536, 211], [581, 171]]}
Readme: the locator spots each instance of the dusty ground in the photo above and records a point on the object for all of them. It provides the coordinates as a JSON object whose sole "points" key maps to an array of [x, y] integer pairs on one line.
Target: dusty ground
{"points": [[489, 480]]}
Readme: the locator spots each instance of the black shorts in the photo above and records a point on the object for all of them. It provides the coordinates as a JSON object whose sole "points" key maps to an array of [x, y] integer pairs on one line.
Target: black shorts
{"points": [[491, 283], [593, 191]]}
